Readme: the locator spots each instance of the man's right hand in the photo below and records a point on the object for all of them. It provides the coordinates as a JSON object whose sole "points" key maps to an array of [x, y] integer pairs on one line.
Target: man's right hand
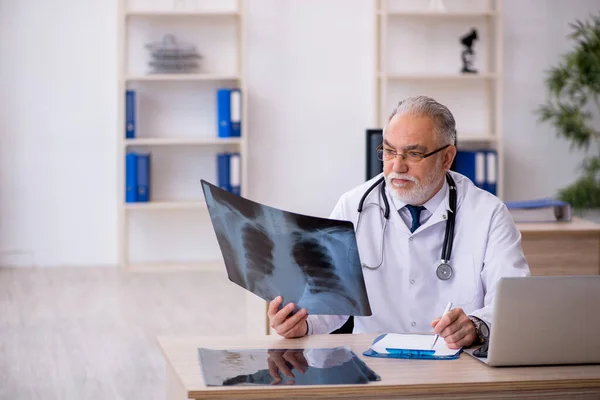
{"points": [[285, 325]]}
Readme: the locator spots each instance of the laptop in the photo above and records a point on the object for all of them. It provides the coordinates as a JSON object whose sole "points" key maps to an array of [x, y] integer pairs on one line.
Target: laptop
{"points": [[544, 320]]}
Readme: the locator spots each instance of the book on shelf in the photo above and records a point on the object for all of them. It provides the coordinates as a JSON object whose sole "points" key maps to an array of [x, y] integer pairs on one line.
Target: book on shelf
{"points": [[223, 171], [234, 173], [130, 177], [491, 171], [137, 177], [229, 112], [480, 166], [229, 172], [539, 210], [130, 114], [143, 174]]}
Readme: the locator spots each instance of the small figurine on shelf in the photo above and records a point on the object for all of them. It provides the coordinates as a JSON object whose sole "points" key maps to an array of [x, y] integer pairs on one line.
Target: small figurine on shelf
{"points": [[468, 55]]}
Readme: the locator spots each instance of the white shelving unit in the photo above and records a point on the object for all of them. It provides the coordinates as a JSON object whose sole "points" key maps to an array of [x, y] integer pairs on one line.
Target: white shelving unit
{"points": [[182, 78], [167, 205], [438, 77], [418, 52], [180, 13], [187, 103], [181, 141], [440, 14]]}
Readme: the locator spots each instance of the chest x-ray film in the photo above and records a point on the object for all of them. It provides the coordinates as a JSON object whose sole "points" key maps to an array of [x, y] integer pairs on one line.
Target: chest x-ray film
{"points": [[312, 262]]}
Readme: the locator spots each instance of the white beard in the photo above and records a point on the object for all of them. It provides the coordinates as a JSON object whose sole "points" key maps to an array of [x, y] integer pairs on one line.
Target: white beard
{"points": [[420, 193]]}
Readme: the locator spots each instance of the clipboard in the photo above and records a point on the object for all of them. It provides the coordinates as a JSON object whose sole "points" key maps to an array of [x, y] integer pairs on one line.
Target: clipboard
{"points": [[410, 346]]}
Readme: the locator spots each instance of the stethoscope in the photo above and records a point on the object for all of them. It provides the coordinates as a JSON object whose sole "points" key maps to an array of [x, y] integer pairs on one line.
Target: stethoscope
{"points": [[444, 270]]}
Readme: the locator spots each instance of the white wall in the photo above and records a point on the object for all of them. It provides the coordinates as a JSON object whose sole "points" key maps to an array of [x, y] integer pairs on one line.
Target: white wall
{"points": [[537, 162], [311, 90], [311, 85], [57, 132]]}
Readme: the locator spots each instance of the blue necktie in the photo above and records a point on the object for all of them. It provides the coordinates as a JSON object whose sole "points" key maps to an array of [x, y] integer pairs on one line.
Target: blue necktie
{"points": [[415, 213]]}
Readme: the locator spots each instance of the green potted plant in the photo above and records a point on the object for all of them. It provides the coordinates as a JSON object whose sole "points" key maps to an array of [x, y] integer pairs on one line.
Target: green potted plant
{"points": [[573, 101]]}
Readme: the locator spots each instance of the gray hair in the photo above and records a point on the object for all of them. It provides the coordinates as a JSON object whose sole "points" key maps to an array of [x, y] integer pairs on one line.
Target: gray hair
{"points": [[445, 126]]}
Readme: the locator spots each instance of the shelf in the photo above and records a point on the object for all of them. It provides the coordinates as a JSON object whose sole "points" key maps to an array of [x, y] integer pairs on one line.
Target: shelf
{"points": [[206, 266], [209, 141], [181, 78], [440, 77], [166, 205], [180, 13], [475, 99], [225, 27], [437, 14]]}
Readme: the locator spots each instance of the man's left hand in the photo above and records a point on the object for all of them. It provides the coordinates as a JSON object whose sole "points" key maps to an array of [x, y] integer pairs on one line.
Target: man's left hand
{"points": [[284, 363], [456, 328]]}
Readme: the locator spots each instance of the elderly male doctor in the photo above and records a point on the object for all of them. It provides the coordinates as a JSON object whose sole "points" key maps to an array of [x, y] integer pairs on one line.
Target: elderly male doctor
{"points": [[405, 292]]}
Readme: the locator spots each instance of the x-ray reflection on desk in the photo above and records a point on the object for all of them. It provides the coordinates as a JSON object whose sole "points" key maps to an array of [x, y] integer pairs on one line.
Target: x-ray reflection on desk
{"points": [[325, 366]]}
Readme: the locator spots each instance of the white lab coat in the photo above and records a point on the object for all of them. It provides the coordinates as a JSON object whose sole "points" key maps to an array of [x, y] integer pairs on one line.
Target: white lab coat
{"points": [[405, 293]]}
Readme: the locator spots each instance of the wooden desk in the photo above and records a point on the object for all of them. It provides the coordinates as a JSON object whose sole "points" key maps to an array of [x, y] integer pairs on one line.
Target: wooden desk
{"points": [[465, 378], [562, 248]]}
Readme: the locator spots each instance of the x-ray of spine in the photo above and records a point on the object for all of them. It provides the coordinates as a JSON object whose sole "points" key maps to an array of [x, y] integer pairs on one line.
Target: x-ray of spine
{"points": [[310, 261]]}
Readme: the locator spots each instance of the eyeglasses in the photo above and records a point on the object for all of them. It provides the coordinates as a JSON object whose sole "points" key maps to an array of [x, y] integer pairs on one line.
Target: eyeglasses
{"points": [[410, 156]]}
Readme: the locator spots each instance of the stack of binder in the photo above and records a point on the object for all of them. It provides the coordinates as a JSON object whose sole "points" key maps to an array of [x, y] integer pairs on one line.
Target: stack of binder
{"points": [[480, 166], [229, 112], [229, 172], [137, 177]]}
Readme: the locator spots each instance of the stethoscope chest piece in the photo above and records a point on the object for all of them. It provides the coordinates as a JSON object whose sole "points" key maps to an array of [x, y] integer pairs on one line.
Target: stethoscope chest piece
{"points": [[444, 271]]}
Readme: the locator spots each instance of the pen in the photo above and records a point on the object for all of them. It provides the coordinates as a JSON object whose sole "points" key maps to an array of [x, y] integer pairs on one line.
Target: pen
{"points": [[435, 339]]}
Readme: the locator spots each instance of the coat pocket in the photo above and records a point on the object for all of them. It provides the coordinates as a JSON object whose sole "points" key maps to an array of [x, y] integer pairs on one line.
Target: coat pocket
{"points": [[464, 285]]}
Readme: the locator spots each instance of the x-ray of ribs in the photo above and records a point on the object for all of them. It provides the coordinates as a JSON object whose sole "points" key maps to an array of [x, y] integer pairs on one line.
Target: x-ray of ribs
{"points": [[259, 253], [229, 256], [317, 265]]}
